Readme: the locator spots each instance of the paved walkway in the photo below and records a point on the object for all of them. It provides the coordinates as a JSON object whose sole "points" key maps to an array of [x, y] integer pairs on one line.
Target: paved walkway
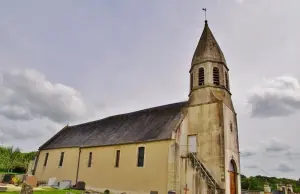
{"points": [[10, 187]]}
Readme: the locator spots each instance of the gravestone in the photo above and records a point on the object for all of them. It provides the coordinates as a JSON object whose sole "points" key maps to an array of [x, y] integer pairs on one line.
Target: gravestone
{"points": [[52, 182], [26, 189], [80, 185], [65, 184]]}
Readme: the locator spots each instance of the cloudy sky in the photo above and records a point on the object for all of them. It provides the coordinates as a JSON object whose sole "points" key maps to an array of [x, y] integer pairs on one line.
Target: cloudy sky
{"points": [[73, 61]]}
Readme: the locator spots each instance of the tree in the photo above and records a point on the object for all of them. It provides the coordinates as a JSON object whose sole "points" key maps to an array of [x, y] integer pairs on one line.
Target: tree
{"points": [[254, 184], [27, 157], [257, 183], [10, 157]]}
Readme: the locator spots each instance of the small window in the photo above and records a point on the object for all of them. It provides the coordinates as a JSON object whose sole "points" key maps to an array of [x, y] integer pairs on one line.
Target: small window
{"points": [[232, 166], [46, 159], [192, 142], [141, 153], [117, 158], [191, 81], [90, 160], [61, 159], [216, 76], [226, 80], [201, 76], [231, 127]]}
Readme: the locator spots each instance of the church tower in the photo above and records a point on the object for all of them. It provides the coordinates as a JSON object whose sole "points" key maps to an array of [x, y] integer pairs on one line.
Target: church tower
{"points": [[212, 118]]}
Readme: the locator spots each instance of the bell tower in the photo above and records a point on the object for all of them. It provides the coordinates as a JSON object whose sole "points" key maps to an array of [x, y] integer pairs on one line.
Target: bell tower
{"points": [[209, 72], [211, 115]]}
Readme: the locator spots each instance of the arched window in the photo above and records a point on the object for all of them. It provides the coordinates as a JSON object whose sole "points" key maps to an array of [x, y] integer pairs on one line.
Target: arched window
{"points": [[226, 80], [232, 166], [201, 76], [231, 127], [216, 76], [191, 81]]}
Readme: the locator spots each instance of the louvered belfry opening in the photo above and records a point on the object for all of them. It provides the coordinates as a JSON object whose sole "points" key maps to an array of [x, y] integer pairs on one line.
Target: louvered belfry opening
{"points": [[226, 80], [201, 76], [216, 76]]}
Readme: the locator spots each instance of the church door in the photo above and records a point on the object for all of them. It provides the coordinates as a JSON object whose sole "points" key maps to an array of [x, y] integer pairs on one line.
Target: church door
{"points": [[233, 181]]}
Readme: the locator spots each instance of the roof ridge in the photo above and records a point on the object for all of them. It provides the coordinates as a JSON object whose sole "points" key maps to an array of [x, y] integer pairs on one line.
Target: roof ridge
{"points": [[128, 113]]}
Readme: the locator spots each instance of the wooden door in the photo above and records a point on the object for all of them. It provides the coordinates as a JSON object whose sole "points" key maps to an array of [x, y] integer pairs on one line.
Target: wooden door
{"points": [[232, 183]]}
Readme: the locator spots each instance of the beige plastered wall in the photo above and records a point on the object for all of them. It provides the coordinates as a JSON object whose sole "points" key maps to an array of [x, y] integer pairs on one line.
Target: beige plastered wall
{"points": [[206, 122], [127, 177], [103, 174], [181, 174], [231, 147], [52, 169]]}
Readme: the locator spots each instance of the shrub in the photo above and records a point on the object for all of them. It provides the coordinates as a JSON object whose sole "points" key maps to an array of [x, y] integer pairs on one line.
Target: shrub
{"points": [[15, 180], [106, 191]]}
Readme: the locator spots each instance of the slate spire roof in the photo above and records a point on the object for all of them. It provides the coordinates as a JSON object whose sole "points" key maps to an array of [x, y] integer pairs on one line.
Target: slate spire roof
{"points": [[150, 124], [208, 48]]}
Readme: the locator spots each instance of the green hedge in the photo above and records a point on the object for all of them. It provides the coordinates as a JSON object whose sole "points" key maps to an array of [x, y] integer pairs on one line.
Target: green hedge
{"points": [[12, 160]]}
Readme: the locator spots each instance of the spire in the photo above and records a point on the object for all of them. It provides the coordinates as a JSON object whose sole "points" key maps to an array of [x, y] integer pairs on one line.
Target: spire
{"points": [[208, 48]]}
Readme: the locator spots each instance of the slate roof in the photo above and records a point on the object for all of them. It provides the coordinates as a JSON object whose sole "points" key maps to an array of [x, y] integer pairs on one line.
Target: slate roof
{"points": [[151, 124], [208, 48]]}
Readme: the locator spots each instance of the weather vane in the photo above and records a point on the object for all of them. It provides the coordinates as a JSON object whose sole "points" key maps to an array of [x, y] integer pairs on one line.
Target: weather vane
{"points": [[204, 9]]}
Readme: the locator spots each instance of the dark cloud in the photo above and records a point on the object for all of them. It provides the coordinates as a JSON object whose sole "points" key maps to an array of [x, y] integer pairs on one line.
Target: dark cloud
{"points": [[252, 166], [256, 168], [292, 155], [15, 113], [275, 145], [9, 133], [26, 94], [275, 98], [10, 130], [247, 153], [284, 167]]}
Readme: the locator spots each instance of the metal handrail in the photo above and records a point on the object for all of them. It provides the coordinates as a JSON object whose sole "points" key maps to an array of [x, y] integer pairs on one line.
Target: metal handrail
{"points": [[214, 182]]}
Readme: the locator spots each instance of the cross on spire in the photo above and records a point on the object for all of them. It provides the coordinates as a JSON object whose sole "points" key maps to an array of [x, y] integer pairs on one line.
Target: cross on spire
{"points": [[204, 9]]}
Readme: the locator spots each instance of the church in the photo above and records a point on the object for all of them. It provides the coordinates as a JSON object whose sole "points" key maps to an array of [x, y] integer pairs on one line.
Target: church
{"points": [[189, 147]]}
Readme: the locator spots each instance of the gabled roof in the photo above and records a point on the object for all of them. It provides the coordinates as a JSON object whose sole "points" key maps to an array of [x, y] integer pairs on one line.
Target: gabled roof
{"points": [[150, 124], [208, 48]]}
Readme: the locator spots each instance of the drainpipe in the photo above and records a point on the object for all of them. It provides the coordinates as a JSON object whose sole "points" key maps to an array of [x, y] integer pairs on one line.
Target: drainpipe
{"points": [[78, 165]]}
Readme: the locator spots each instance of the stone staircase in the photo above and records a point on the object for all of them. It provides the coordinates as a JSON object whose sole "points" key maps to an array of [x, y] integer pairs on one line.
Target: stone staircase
{"points": [[213, 186]]}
